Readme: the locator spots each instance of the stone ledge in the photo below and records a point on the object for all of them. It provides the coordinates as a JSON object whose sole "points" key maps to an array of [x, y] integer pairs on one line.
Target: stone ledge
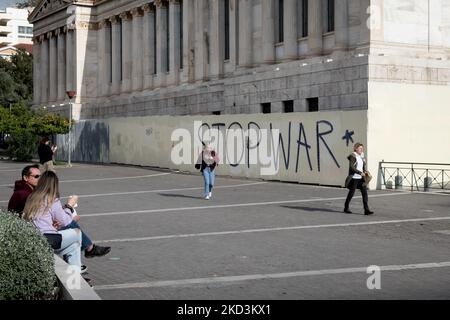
{"points": [[85, 292]]}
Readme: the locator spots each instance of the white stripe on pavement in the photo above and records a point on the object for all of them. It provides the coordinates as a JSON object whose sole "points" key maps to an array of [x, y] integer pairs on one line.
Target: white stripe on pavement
{"points": [[252, 204], [267, 276], [105, 179], [221, 233], [155, 191]]}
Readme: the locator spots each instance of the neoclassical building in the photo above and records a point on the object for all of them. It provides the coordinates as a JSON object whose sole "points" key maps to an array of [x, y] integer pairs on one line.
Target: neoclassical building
{"points": [[179, 57]]}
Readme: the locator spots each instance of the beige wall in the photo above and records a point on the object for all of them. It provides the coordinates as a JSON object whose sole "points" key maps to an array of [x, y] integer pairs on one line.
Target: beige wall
{"points": [[147, 141], [408, 123]]}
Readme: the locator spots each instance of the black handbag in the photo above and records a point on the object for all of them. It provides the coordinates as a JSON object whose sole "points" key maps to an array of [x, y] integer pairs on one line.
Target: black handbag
{"points": [[54, 240]]}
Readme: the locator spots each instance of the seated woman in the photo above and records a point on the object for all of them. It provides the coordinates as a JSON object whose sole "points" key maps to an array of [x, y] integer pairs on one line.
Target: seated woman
{"points": [[43, 207]]}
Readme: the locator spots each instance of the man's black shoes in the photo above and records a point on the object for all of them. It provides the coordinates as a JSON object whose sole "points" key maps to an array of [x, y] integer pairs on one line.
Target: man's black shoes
{"points": [[97, 251]]}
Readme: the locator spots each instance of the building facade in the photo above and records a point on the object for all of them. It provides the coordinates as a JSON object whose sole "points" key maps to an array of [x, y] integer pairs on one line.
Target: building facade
{"points": [[136, 58], [14, 28]]}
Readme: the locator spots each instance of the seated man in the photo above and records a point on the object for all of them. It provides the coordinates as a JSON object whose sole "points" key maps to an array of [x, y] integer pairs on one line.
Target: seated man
{"points": [[23, 188]]}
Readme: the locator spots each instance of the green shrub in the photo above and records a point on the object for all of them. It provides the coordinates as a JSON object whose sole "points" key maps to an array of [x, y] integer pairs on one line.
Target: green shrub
{"points": [[22, 145], [26, 261]]}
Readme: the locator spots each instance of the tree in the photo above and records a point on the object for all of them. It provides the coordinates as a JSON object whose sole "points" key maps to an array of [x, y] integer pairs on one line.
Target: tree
{"points": [[25, 127], [16, 78]]}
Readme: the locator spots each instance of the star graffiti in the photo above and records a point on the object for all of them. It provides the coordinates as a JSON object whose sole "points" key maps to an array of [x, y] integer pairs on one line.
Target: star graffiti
{"points": [[348, 136]]}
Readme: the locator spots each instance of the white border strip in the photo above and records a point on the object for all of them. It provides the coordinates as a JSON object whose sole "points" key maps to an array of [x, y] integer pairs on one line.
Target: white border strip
{"points": [[221, 233], [252, 204], [268, 276], [155, 191], [104, 179]]}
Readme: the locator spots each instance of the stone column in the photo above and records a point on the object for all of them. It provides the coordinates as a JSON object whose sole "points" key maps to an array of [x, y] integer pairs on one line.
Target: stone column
{"points": [[148, 45], [70, 62], [290, 30], [116, 54], [174, 40], [234, 32], [201, 38], [53, 65], [217, 39], [267, 31], [364, 35], [44, 69], [101, 58], [341, 25], [315, 28], [37, 90], [245, 33], [126, 51], [161, 42], [188, 40], [137, 54], [61, 42]]}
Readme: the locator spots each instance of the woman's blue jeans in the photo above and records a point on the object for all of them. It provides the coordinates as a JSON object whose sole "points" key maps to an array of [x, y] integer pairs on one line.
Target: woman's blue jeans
{"points": [[209, 177]]}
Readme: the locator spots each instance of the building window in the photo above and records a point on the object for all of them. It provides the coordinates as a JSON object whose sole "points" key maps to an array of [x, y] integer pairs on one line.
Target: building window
{"points": [[266, 108], [227, 28], [120, 51], [312, 104], [25, 30], [304, 18], [288, 106], [181, 34], [167, 39], [330, 15], [279, 18], [216, 113], [109, 50]]}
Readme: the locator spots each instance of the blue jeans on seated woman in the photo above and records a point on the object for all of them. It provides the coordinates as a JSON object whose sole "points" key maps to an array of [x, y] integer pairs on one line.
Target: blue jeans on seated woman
{"points": [[85, 241], [70, 248]]}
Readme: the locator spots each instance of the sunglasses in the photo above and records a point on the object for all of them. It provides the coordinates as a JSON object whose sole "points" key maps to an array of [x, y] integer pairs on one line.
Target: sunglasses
{"points": [[37, 176]]}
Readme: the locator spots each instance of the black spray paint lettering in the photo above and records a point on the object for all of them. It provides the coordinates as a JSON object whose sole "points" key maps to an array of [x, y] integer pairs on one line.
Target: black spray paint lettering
{"points": [[302, 142], [319, 136]]}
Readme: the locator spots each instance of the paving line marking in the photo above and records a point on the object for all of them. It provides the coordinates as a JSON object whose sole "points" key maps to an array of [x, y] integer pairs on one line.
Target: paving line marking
{"points": [[105, 179], [268, 276], [230, 205], [222, 233], [155, 191]]}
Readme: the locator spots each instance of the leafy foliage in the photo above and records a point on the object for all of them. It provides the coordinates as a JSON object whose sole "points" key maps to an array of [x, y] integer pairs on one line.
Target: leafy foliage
{"points": [[24, 127], [26, 261]]}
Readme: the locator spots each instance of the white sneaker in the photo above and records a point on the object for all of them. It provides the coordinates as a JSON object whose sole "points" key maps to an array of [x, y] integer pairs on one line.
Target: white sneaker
{"points": [[210, 194], [207, 197]]}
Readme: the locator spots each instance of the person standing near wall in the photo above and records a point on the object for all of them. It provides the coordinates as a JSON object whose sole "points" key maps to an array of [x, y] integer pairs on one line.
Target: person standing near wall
{"points": [[45, 153], [207, 162], [357, 178]]}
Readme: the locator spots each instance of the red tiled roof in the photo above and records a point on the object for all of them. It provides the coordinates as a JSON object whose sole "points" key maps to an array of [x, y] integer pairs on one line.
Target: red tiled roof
{"points": [[27, 47]]}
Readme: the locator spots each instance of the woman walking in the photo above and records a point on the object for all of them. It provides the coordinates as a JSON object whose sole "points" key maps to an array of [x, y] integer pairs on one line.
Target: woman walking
{"points": [[207, 162], [357, 178], [43, 208]]}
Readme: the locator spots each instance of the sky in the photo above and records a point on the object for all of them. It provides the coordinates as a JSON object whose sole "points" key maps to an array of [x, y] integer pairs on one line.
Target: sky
{"points": [[7, 3]]}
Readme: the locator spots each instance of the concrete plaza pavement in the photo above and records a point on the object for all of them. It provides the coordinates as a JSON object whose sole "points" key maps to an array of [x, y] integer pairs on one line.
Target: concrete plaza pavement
{"points": [[254, 239]]}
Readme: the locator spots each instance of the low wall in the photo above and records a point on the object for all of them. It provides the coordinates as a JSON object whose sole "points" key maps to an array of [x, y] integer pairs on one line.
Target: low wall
{"points": [[312, 146], [84, 292]]}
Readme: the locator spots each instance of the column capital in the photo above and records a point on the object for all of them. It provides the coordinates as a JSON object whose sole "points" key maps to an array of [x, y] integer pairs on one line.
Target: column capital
{"points": [[114, 20], [159, 4], [103, 24], [148, 7], [41, 38], [49, 34], [137, 12], [126, 16], [58, 32]]}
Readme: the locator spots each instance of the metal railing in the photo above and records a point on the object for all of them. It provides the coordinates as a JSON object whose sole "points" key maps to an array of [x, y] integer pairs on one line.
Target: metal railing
{"points": [[415, 176]]}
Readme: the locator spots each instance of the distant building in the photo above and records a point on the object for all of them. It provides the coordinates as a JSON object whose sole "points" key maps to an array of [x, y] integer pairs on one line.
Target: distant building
{"points": [[15, 28]]}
